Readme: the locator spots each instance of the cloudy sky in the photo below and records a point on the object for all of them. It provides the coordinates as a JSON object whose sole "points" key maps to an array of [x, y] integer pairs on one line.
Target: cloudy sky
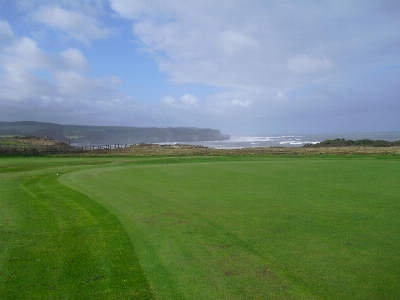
{"points": [[241, 66]]}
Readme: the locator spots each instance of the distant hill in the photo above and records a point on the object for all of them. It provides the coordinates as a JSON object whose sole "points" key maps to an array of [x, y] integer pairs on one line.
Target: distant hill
{"points": [[97, 135]]}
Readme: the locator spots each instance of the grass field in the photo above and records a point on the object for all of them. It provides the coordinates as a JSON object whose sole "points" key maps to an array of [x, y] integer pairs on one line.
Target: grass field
{"points": [[245, 227]]}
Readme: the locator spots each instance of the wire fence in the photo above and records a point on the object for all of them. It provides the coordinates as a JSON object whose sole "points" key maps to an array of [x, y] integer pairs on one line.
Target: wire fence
{"points": [[48, 149]]}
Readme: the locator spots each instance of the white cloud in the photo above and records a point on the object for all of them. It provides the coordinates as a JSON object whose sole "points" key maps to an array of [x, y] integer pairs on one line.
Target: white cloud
{"points": [[280, 96], [33, 77], [6, 33], [133, 8], [169, 100], [303, 64], [223, 44], [233, 42], [231, 102], [190, 39], [19, 84], [242, 103], [24, 53], [187, 100], [74, 59], [242, 46], [79, 26], [72, 83]]}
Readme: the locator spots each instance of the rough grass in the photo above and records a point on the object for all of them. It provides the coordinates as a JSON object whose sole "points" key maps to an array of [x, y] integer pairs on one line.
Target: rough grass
{"points": [[11, 140], [190, 150]]}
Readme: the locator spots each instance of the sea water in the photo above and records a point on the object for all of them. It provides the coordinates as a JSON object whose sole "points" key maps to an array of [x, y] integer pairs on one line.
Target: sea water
{"points": [[292, 140]]}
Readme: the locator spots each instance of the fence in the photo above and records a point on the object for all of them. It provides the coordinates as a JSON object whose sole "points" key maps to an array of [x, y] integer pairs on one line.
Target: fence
{"points": [[106, 147], [61, 148]]}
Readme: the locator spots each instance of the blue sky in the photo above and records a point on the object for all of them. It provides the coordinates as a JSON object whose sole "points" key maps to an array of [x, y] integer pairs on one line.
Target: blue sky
{"points": [[244, 67]]}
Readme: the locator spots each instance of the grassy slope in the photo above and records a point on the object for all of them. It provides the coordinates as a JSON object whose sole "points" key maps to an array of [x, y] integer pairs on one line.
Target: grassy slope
{"points": [[56, 243], [260, 227]]}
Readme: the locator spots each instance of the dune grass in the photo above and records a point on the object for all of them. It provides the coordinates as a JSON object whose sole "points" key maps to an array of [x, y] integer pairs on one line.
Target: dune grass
{"points": [[251, 227]]}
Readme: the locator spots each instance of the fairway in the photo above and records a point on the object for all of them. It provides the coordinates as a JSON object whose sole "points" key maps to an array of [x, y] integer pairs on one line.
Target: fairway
{"points": [[252, 227]]}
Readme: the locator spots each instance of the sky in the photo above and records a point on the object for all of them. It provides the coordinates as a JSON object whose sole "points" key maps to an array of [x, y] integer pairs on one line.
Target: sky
{"points": [[241, 66]]}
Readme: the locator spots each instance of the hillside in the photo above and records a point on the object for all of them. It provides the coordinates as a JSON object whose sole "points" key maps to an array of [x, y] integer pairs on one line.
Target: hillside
{"points": [[95, 135]]}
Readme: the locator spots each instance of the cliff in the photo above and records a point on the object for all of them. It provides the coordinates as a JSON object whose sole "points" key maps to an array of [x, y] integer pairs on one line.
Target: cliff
{"points": [[97, 135]]}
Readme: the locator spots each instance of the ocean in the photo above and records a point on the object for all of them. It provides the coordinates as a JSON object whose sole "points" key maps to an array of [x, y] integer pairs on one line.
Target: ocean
{"points": [[292, 140]]}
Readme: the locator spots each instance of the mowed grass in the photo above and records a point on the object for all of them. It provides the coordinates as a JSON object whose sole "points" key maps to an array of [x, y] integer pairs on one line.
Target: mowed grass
{"points": [[252, 227], [258, 228], [56, 243]]}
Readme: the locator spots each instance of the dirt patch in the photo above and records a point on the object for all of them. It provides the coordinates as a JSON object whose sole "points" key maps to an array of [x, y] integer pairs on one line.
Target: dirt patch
{"points": [[231, 273]]}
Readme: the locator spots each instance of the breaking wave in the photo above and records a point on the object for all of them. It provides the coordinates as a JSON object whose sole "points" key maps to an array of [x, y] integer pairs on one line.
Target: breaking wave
{"points": [[288, 140]]}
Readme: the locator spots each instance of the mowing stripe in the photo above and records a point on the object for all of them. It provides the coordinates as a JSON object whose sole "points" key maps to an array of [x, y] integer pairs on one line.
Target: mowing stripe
{"points": [[56, 243], [280, 228]]}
